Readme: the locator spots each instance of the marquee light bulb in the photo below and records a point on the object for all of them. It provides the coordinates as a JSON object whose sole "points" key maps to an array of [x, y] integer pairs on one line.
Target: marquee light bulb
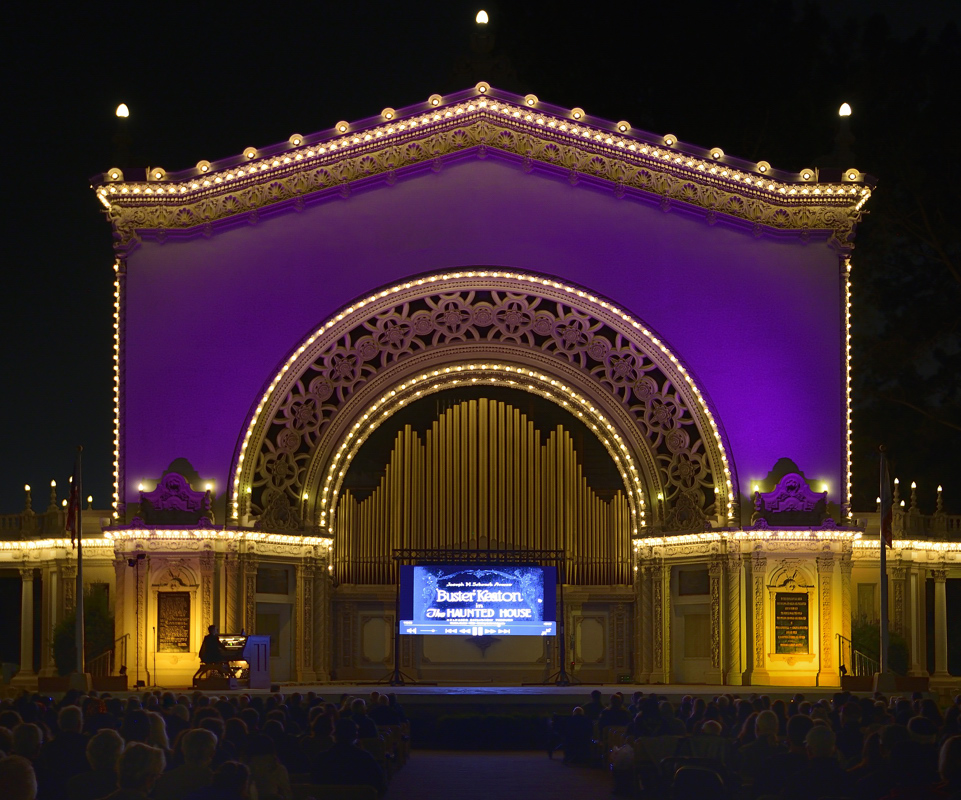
{"points": [[53, 484], [90, 499], [139, 487], [122, 110], [914, 485], [482, 18], [844, 110]]}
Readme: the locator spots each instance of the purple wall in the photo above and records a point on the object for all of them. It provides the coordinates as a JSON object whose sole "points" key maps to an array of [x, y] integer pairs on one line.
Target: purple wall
{"points": [[757, 320]]}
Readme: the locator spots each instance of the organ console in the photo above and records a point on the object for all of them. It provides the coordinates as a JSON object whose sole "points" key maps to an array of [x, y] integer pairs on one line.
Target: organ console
{"points": [[245, 664]]}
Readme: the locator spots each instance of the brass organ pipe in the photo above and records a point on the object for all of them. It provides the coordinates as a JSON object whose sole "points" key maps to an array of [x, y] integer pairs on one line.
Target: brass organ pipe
{"points": [[482, 470], [463, 439]]}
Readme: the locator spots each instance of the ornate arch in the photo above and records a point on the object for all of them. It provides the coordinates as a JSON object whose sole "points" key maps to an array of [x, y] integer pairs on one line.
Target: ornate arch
{"points": [[632, 386]]}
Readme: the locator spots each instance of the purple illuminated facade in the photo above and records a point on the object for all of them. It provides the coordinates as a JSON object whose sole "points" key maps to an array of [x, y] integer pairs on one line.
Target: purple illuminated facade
{"points": [[270, 304]]}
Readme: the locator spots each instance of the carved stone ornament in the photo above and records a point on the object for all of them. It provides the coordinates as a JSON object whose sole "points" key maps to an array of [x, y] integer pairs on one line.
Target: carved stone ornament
{"points": [[174, 574], [791, 504], [487, 127], [173, 502], [447, 317]]}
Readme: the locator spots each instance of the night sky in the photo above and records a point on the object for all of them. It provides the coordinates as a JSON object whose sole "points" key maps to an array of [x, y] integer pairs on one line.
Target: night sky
{"points": [[205, 80]]}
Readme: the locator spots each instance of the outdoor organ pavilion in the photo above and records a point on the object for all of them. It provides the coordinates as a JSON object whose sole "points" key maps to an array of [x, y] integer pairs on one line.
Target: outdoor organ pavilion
{"points": [[485, 326]]}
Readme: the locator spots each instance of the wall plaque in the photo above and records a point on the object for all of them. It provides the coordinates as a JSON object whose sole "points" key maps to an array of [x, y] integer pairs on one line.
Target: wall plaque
{"points": [[173, 622], [791, 626]]}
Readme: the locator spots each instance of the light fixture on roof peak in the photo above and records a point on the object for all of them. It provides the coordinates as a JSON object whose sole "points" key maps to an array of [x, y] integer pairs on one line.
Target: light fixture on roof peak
{"points": [[122, 110], [844, 110], [482, 18]]}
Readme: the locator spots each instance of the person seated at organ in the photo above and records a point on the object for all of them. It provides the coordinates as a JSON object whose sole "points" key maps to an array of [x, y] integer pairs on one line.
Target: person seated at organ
{"points": [[210, 650]]}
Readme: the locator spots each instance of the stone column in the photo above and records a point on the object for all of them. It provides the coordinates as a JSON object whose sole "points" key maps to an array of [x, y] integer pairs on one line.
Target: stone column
{"points": [[322, 620], [139, 642], [757, 673], [207, 603], [220, 607], [642, 625], [716, 675], [917, 636], [846, 566], [26, 674], [304, 629], [119, 618], [48, 620], [234, 621], [827, 673], [897, 583], [68, 581], [733, 667], [940, 624], [619, 639], [658, 659], [250, 594]]}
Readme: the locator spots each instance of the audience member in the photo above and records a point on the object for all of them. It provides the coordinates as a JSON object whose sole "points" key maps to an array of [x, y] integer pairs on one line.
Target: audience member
{"points": [[594, 708], [17, 779], [346, 764], [102, 753], [138, 769], [578, 738], [267, 773], [231, 781], [198, 747]]}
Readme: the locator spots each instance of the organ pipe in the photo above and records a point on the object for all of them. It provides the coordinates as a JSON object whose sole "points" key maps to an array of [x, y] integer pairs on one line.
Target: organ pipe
{"points": [[481, 477]]}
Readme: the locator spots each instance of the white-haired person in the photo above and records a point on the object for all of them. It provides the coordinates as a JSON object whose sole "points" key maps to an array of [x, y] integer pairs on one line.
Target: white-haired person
{"points": [[18, 781], [822, 775], [753, 757], [65, 754], [139, 768], [102, 752], [158, 732], [198, 746]]}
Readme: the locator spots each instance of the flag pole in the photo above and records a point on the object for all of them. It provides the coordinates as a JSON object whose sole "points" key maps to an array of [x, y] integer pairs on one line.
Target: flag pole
{"points": [[79, 526]]}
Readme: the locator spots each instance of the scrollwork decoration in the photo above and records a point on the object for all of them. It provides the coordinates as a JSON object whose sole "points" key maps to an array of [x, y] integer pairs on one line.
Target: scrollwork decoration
{"points": [[543, 325]]}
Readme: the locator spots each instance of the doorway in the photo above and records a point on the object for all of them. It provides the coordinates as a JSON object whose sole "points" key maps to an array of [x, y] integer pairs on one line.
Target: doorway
{"points": [[273, 620]]}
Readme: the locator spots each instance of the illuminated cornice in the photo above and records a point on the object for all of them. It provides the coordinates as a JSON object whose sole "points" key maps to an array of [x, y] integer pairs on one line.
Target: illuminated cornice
{"points": [[912, 544], [765, 535], [213, 534], [482, 121], [53, 544]]}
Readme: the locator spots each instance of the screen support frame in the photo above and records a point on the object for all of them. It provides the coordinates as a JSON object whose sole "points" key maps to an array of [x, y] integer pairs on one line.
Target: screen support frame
{"points": [[405, 555]]}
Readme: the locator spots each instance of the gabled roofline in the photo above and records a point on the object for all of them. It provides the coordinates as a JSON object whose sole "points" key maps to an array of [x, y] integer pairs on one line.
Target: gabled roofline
{"points": [[483, 119]]}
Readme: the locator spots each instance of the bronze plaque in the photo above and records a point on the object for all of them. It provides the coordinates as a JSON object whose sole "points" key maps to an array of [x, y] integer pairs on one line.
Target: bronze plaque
{"points": [[173, 622], [791, 622]]}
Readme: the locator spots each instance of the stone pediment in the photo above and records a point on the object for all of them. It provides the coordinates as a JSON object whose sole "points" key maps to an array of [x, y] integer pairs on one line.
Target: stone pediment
{"points": [[479, 123], [792, 504], [174, 502]]}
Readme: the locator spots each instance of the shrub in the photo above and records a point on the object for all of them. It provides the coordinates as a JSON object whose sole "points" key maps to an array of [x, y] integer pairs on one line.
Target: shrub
{"points": [[866, 637], [98, 632]]}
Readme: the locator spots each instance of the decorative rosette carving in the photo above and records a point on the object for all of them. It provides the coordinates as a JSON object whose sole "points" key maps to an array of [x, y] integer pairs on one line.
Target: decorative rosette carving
{"points": [[574, 336]]}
